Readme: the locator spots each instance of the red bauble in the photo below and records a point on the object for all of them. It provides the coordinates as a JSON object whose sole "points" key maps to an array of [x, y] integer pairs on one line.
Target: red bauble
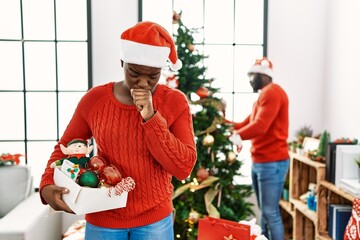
{"points": [[202, 174], [97, 164], [110, 175], [202, 92]]}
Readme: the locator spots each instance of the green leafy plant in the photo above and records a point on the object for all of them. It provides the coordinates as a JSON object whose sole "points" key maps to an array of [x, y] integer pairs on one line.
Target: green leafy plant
{"points": [[304, 131]]}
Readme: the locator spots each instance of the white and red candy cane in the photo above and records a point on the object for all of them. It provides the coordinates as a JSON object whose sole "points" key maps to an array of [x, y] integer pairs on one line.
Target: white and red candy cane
{"points": [[126, 185]]}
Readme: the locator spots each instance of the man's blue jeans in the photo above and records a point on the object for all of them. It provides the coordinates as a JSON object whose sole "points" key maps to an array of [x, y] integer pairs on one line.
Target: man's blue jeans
{"points": [[268, 182], [161, 230]]}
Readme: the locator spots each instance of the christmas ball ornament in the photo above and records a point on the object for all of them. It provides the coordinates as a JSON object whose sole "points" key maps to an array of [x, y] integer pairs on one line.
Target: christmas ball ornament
{"points": [[208, 140], [194, 216], [231, 157], [202, 92], [202, 174], [97, 164], [88, 179], [191, 47], [110, 175]]}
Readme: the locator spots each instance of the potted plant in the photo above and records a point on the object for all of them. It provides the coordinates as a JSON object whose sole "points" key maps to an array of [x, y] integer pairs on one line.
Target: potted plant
{"points": [[300, 150], [305, 131]]}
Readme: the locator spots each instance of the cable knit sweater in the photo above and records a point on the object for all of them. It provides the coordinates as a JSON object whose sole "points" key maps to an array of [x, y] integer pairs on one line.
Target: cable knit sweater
{"points": [[267, 126], [150, 152]]}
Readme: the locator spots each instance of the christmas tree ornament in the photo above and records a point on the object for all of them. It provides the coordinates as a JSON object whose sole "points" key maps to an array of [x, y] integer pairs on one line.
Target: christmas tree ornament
{"points": [[208, 140], [202, 92], [194, 216], [88, 179], [110, 175], [191, 47], [97, 164], [231, 157], [176, 17], [202, 174]]}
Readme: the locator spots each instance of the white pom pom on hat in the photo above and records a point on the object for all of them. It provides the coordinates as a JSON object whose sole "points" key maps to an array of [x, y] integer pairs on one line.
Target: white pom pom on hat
{"points": [[149, 44], [263, 66]]}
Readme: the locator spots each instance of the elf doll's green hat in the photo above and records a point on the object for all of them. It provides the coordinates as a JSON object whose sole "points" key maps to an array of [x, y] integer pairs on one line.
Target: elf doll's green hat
{"points": [[77, 140]]}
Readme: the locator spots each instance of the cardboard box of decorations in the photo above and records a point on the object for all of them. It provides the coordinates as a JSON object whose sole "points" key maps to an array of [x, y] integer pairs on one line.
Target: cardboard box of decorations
{"points": [[84, 200]]}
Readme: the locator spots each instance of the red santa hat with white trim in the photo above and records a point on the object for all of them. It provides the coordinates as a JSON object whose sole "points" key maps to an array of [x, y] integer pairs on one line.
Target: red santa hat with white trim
{"points": [[263, 66], [149, 44]]}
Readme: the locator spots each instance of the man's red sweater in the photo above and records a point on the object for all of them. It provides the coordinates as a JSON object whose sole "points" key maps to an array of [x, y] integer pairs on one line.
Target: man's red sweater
{"points": [[267, 126], [150, 152]]}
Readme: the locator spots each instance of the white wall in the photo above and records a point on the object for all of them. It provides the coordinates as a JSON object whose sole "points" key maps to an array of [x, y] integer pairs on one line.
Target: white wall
{"points": [[315, 47], [296, 46], [342, 84]]}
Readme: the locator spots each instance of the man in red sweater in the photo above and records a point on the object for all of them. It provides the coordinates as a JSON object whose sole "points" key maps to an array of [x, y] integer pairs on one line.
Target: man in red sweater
{"points": [[267, 127], [142, 127]]}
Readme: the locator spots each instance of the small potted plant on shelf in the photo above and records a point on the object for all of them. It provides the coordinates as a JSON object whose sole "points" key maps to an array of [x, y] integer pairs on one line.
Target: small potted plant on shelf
{"points": [[300, 150], [304, 131]]}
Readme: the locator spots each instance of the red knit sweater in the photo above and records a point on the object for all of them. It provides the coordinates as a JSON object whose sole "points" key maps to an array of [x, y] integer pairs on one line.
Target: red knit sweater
{"points": [[267, 126], [150, 152]]}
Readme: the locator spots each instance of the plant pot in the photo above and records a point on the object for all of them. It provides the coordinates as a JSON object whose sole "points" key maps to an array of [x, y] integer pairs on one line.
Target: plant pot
{"points": [[300, 151]]}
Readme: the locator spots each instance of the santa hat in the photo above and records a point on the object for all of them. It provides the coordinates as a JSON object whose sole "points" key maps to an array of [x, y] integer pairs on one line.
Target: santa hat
{"points": [[263, 66], [77, 140], [148, 44]]}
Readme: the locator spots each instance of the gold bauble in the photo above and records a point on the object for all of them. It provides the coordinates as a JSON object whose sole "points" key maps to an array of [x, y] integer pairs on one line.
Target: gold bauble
{"points": [[231, 157], [208, 140], [194, 216]]}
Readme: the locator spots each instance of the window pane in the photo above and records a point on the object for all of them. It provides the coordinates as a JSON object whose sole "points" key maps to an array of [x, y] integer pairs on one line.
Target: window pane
{"points": [[163, 17], [11, 68], [38, 155], [245, 57], [38, 25], [238, 106], [192, 12], [41, 116], [220, 67], [249, 20], [71, 20], [219, 21], [243, 104], [40, 71], [10, 24], [67, 105], [12, 119], [72, 66], [13, 148]]}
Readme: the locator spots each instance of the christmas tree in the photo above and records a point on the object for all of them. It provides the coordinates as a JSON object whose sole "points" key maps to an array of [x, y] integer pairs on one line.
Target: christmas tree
{"points": [[210, 189]]}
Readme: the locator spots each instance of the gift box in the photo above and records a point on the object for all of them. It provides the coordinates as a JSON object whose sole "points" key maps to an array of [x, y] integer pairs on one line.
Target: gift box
{"points": [[215, 228], [84, 200]]}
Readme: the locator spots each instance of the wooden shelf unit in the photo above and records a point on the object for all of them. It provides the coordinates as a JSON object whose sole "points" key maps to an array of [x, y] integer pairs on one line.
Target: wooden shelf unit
{"points": [[308, 224], [302, 172], [328, 194]]}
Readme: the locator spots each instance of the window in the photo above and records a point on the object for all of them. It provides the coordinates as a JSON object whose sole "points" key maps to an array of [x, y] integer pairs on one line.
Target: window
{"points": [[233, 34], [45, 68]]}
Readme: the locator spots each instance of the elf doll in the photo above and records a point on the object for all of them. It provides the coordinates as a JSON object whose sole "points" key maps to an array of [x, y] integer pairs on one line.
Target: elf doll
{"points": [[77, 151]]}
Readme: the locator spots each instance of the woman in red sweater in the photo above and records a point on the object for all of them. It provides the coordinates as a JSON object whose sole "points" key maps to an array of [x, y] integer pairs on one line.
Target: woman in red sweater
{"points": [[267, 128], [142, 127]]}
